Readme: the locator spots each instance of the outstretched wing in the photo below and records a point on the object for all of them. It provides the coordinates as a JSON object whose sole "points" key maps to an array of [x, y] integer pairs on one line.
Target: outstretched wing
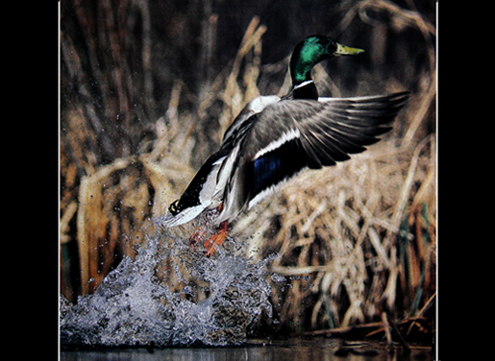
{"points": [[291, 135]]}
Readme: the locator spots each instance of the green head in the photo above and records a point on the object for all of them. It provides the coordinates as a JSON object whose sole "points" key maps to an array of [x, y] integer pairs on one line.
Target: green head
{"points": [[311, 51]]}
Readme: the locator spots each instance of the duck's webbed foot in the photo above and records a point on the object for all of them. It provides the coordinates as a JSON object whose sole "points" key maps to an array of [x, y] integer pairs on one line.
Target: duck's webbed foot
{"points": [[216, 239], [197, 236]]}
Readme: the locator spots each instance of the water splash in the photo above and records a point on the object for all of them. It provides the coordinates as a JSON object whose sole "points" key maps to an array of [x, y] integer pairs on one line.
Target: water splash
{"points": [[221, 296]]}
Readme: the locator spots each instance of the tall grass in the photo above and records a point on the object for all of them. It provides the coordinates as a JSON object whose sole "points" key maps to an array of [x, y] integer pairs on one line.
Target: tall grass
{"points": [[352, 241]]}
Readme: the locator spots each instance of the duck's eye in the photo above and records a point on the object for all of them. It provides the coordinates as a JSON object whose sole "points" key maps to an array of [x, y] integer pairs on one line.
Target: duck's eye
{"points": [[173, 207]]}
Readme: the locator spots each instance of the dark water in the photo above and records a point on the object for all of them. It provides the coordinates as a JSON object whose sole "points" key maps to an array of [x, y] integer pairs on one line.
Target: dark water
{"points": [[288, 350]]}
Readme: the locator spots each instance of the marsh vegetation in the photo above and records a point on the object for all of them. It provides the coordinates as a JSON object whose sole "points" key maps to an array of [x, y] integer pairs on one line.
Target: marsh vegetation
{"points": [[147, 91]]}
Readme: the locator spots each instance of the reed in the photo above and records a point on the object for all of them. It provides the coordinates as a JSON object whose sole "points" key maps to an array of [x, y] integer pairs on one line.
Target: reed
{"points": [[352, 241]]}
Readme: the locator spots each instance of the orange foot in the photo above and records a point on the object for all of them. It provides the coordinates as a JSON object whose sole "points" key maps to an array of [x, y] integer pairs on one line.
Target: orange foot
{"points": [[197, 236], [216, 239]]}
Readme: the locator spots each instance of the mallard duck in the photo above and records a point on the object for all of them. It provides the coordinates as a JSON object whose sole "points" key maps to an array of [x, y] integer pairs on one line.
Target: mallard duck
{"points": [[274, 138]]}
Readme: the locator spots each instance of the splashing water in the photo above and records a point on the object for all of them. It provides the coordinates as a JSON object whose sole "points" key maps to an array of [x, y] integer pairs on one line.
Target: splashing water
{"points": [[133, 306]]}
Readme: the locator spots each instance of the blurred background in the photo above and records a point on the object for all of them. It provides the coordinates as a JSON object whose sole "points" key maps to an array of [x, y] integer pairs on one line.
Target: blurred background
{"points": [[148, 89]]}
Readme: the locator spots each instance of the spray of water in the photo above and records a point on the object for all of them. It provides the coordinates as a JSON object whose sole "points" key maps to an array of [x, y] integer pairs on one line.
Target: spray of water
{"points": [[218, 299]]}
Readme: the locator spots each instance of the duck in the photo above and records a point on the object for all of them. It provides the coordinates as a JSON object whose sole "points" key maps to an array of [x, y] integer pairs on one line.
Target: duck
{"points": [[274, 138]]}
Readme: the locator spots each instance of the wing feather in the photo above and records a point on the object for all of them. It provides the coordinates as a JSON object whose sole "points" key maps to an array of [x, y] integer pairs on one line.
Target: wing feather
{"points": [[327, 131]]}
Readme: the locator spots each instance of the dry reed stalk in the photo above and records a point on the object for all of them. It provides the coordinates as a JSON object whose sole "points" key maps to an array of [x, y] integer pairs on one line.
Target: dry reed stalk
{"points": [[400, 17], [91, 223], [111, 212], [421, 113], [234, 98], [69, 212]]}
